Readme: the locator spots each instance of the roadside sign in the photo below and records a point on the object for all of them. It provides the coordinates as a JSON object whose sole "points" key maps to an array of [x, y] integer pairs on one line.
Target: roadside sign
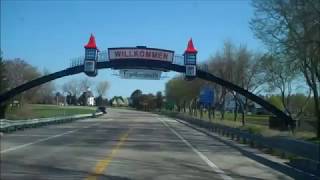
{"points": [[206, 96], [140, 53], [140, 74]]}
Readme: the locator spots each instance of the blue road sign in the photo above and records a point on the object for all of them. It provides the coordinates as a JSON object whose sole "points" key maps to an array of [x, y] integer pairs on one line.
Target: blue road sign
{"points": [[206, 96]]}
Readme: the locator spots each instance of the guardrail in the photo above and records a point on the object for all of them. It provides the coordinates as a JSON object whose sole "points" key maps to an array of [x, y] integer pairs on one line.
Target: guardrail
{"points": [[13, 125], [303, 155]]}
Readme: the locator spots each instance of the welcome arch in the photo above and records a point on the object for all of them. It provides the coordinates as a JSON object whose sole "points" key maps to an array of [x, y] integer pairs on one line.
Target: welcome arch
{"points": [[188, 68]]}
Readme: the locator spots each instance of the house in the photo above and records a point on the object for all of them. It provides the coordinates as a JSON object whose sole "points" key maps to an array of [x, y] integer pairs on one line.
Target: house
{"points": [[119, 101], [90, 98], [125, 101]]}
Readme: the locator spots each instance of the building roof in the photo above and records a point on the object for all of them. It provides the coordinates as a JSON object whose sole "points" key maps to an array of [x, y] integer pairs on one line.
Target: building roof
{"points": [[91, 43], [190, 47]]}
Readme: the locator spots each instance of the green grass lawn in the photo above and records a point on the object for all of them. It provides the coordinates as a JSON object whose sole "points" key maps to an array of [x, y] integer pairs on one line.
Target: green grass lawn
{"points": [[30, 111]]}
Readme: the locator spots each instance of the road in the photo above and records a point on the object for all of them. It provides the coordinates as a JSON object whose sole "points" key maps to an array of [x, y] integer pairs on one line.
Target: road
{"points": [[123, 145]]}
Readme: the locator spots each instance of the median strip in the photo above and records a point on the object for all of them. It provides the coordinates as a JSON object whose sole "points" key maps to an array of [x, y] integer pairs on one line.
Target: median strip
{"points": [[103, 164]]}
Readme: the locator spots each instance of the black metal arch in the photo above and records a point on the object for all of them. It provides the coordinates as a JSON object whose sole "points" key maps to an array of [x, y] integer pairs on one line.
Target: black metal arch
{"points": [[148, 64]]}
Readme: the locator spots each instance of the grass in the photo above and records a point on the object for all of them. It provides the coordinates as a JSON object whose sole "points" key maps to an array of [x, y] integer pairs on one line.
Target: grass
{"points": [[30, 111], [314, 140], [249, 119]]}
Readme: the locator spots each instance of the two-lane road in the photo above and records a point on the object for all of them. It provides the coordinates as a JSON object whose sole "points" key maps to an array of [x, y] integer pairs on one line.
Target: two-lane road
{"points": [[124, 144]]}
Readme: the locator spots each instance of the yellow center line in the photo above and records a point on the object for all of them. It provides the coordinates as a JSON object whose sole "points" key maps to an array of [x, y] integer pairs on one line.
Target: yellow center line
{"points": [[103, 164]]}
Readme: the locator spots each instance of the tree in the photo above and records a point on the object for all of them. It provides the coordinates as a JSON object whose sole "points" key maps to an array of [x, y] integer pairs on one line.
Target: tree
{"points": [[45, 93], [222, 65], [72, 87], [85, 84], [71, 99], [159, 100], [248, 75], [99, 101], [173, 90], [182, 92], [3, 87], [276, 101], [281, 78], [147, 102], [3, 79], [291, 28], [299, 104], [82, 100], [58, 96], [241, 66], [18, 71], [135, 98], [102, 88]]}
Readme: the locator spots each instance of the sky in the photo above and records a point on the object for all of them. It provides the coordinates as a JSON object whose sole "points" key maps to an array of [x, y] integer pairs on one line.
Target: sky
{"points": [[47, 34]]}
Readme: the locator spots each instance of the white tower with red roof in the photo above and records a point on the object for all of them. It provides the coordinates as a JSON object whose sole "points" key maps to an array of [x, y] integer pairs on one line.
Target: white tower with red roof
{"points": [[190, 61], [91, 57]]}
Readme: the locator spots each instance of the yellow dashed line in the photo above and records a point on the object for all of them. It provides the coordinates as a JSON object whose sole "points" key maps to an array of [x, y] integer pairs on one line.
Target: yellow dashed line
{"points": [[102, 165]]}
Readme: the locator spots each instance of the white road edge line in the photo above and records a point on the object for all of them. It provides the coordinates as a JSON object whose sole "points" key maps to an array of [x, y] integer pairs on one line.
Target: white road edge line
{"points": [[35, 142], [215, 168], [42, 140]]}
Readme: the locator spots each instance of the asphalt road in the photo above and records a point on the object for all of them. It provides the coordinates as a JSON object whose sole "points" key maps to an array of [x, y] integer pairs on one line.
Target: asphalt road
{"points": [[124, 145]]}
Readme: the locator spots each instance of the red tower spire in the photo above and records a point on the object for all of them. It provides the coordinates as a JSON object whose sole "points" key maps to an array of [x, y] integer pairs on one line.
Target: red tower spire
{"points": [[91, 43], [190, 48]]}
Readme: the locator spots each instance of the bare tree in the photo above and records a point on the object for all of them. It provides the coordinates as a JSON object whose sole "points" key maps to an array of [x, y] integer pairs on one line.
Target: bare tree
{"points": [[85, 83], [283, 78], [292, 29], [17, 72], [72, 87], [221, 66], [248, 75], [3, 78], [159, 100], [279, 78], [3, 87], [45, 94], [239, 66], [102, 87]]}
